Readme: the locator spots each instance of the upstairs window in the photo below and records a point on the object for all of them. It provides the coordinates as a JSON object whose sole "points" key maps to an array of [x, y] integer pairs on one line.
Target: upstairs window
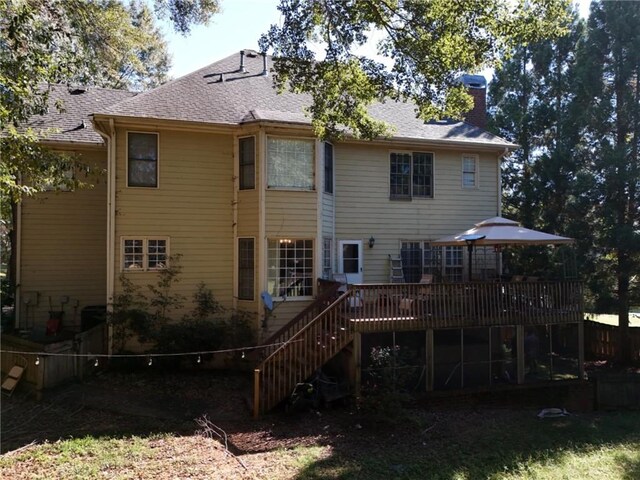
{"points": [[328, 168], [290, 163], [469, 171], [247, 162], [411, 175], [142, 159]]}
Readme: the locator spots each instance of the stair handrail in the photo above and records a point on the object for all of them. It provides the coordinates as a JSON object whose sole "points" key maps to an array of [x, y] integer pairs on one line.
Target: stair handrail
{"points": [[280, 336], [286, 383]]}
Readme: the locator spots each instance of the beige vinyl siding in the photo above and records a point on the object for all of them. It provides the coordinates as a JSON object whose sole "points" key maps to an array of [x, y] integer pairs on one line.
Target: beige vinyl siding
{"points": [[64, 250], [283, 312], [248, 213], [192, 206], [291, 214], [363, 207]]}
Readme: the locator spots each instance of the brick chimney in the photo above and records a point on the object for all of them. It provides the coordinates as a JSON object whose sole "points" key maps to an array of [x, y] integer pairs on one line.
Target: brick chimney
{"points": [[477, 88]]}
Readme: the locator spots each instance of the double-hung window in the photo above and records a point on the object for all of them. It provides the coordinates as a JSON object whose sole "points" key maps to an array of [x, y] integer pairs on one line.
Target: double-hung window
{"points": [[247, 162], [142, 159], [144, 253], [411, 175], [290, 163], [246, 268], [290, 267], [469, 171]]}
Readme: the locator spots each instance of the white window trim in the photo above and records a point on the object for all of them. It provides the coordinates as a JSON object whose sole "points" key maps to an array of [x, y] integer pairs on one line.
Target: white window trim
{"points": [[314, 248], [433, 175], [145, 252], [314, 163], [126, 154], [255, 164], [476, 179]]}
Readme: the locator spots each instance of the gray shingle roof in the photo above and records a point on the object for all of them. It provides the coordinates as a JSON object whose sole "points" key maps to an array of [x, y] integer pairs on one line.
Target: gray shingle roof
{"points": [[221, 94], [73, 122]]}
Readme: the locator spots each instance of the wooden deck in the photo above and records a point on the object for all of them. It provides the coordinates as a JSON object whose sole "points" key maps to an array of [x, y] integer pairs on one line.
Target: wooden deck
{"points": [[325, 328]]}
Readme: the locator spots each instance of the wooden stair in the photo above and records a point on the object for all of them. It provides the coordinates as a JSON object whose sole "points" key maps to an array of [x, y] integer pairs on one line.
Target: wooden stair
{"points": [[302, 353]]}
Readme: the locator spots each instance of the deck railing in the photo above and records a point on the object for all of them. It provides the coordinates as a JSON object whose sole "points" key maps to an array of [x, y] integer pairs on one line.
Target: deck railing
{"points": [[417, 306], [394, 307]]}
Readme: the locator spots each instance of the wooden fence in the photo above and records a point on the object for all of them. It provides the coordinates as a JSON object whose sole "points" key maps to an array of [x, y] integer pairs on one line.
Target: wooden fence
{"points": [[60, 362], [602, 341]]}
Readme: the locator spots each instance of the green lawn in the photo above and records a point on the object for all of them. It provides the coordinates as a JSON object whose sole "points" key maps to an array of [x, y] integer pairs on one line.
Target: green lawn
{"points": [[500, 444]]}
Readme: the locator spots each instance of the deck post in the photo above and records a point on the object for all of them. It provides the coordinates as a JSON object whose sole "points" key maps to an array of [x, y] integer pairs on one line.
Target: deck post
{"points": [[256, 393], [429, 359], [520, 349], [581, 349], [357, 359]]}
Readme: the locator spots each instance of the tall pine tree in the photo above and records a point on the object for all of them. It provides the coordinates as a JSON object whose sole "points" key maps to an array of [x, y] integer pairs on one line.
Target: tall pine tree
{"points": [[608, 94]]}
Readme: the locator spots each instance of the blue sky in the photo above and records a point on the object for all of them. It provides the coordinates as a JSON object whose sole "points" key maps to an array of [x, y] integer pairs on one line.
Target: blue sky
{"points": [[238, 26]]}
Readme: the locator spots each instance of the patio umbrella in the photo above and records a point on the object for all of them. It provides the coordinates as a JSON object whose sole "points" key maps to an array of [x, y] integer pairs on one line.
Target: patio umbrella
{"points": [[502, 231]]}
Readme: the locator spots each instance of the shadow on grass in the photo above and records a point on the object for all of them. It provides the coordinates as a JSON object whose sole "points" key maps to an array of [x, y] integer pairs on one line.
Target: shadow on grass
{"points": [[493, 444]]}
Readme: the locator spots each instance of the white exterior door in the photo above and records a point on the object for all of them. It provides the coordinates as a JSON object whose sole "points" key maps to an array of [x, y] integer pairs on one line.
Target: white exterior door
{"points": [[350, 260]]}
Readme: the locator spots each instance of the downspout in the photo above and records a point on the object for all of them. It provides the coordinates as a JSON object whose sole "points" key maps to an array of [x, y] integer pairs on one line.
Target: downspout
{"points": [[261, 183], [319, 241], [500, 157], [110, 139], [234, 227], [18, 264]]}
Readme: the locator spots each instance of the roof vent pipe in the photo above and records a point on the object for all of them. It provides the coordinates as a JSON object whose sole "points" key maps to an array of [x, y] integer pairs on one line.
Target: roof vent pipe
{"points": [[242, 68], [264, 65]]}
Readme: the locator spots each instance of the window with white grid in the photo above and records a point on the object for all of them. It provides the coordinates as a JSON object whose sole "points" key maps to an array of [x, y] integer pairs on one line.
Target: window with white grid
{"points": [[144, 253], [290, 267], [290, 163], [327, 268], [470, 171], [410, 175], [453, 264]]}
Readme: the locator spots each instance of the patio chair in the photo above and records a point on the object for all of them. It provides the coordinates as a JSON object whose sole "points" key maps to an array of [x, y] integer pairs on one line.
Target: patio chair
{"points": [[341, 278]]}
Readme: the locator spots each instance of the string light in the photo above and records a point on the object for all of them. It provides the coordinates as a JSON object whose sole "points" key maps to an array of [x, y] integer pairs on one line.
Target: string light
{"points": [[96, 363], [150, 361], [199, 359], [97, 356]]}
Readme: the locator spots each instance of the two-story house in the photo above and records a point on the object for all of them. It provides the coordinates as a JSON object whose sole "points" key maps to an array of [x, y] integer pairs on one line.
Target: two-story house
{"points": [[219, 168]]}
